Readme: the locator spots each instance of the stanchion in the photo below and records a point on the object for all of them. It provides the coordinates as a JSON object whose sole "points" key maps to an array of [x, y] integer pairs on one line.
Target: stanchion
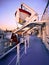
{"points": [[28, 41], [18, 54], [25, 47]]}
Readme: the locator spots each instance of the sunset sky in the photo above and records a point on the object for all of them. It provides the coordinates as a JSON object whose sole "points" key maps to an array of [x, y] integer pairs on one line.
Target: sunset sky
{"points": [[8, 8]]}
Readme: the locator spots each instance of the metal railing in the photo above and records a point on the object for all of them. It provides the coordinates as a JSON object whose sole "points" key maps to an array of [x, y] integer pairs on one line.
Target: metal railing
{"points": [[18, 56]]}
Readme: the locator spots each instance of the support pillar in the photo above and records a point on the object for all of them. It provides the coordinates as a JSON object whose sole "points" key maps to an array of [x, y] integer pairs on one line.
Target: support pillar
{"points": [[40, 32], [44, 34]]}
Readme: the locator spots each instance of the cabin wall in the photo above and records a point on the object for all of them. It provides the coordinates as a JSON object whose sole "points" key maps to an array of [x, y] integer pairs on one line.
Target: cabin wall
{"points": [[22, 17], [17, 16]]}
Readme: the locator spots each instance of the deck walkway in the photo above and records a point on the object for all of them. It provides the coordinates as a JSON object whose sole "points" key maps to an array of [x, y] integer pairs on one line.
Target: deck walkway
{"points": [[36, 54]]}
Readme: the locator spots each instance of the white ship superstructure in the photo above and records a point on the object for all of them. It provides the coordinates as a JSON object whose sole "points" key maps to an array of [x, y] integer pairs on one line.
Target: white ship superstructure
{"points": [[32, 39]]}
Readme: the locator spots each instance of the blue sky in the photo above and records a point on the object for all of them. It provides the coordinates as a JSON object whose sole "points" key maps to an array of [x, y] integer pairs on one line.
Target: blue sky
{"points": [[8, 8]]}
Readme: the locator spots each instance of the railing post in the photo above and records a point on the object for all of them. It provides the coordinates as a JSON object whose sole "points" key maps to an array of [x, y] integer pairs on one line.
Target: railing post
{"points": [[25, 47], [28, 41], [18, 53]]}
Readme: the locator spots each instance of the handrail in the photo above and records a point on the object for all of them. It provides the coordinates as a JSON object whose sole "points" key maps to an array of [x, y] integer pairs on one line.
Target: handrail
{"points": [[7, 52], [26, 45], [15, 57]]}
